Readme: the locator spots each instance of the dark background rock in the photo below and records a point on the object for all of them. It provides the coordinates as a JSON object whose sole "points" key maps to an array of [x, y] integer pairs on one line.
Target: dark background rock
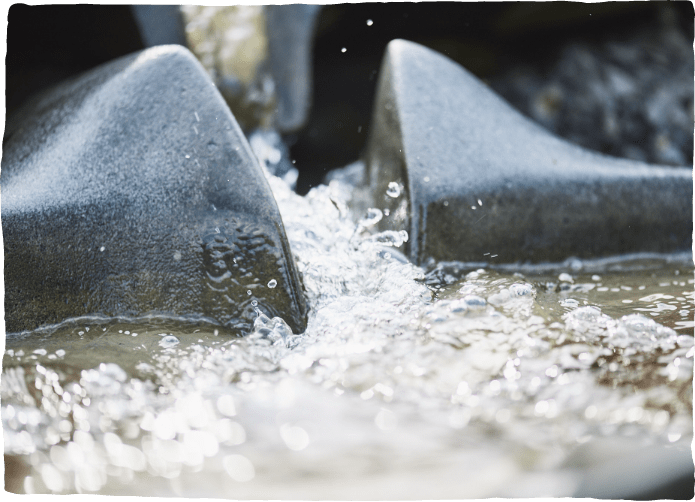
{"points": [[47, 43], [132, 190], [625, 94]]}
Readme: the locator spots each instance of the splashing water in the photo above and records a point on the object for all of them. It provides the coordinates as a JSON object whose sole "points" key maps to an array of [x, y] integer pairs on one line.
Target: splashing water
{"points": [[452, 381]]}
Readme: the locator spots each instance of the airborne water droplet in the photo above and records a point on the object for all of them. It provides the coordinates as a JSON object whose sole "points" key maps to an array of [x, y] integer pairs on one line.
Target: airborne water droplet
{"points": [[248, 292], [272, 283], [393, 190], [372, 217]]}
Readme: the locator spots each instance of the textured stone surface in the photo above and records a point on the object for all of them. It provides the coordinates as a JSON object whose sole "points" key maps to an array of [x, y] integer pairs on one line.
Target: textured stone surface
{"points": [[482, 183], [132, 190]]}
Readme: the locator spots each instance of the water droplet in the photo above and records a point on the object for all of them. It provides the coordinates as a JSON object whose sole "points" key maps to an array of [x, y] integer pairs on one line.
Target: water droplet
{"points": [[393, 190], [519, 289], [168, 341], [254, 303], [248, 292], [372, 217], [272, 283], [343, 49], [426, 179], [101, 249], [474, 302], [238, 467], [294, 437], [480, 202], [389, 238], [369, 22]]}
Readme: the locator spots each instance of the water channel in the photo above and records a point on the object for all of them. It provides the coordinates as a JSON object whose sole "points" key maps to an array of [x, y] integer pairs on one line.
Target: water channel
{"points": [[453, 380]]}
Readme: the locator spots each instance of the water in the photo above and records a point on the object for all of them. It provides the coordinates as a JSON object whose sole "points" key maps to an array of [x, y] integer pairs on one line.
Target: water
{"points": [[448, 381]]}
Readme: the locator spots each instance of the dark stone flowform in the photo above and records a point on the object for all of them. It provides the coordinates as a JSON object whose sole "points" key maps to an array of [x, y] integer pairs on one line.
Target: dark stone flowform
{"points": [[481, 183], [290, 36], [132, 190]]}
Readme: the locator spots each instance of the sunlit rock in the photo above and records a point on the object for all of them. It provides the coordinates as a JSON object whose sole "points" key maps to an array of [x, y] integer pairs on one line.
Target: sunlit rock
{"points": [[481, 183], [132, 190]]}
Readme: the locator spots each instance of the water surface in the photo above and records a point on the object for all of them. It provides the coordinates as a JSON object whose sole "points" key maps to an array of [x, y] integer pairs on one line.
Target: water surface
{"points": [[409, 383]]}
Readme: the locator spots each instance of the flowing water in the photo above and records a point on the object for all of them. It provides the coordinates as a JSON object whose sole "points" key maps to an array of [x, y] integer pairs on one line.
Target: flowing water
{"points": [[409, 383]]}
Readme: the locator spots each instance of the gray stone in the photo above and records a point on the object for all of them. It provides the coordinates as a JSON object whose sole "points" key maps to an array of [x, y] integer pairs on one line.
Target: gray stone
{"points": [[290, 35], [132, 190], [480, 182], [159, 24]]}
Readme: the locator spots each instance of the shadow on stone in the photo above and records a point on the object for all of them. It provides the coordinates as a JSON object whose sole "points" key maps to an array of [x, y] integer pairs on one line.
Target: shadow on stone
{"points": [[472, 180], [131, 190]]}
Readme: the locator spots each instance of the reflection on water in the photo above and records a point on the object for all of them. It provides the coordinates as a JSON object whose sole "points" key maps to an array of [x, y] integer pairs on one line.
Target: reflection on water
{"points": [[408, 383]]}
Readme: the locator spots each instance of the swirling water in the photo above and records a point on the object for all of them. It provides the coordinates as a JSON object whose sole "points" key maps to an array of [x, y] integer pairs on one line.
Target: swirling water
{"points": [[409, 383]]}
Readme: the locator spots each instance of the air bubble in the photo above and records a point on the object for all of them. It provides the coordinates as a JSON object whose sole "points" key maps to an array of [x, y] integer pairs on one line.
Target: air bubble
{"points": [[168, 341], [372, 217], [272, 283], [394, 189]]}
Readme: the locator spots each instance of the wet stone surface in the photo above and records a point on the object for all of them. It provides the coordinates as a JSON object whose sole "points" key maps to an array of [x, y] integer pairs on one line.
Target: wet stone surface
{"points": [[132, 190], [479, 182]]}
